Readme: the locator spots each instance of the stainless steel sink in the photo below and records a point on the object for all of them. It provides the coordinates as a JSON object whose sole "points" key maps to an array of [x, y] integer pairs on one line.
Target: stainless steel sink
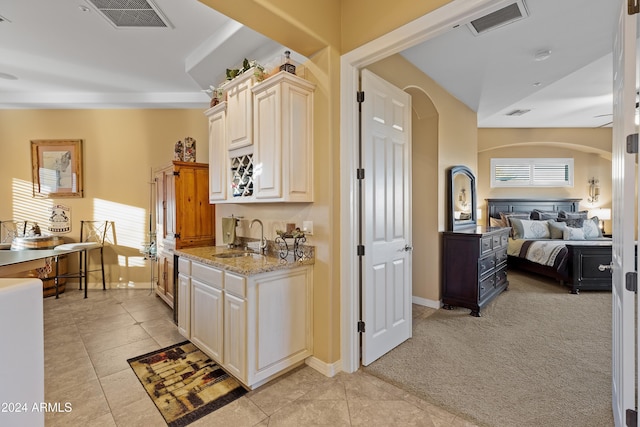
{"points": [[238, 255]]}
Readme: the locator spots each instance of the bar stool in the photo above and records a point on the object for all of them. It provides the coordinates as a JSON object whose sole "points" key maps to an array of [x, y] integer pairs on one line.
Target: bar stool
{"points": [[92, 236]]}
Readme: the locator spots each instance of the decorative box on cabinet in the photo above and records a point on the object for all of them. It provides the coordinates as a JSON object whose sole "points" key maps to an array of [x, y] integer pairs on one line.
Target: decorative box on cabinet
{"points": [[474, 267], [283, 134], [184, 217]]}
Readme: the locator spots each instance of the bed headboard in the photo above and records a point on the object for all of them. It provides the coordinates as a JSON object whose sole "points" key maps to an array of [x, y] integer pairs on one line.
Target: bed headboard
{"points": [[495, 206]]}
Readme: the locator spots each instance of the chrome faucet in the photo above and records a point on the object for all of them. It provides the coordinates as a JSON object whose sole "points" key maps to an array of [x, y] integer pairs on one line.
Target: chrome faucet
{"points": [[263, 242]]}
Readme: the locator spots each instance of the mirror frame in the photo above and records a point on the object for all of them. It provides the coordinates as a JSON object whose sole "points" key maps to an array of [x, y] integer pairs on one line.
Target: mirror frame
{"points": [[457, 224]]}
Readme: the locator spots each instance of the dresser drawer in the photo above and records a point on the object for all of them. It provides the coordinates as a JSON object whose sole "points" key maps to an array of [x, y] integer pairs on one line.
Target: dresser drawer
{"points": [[486, 265], [501, 277], [501, 256], [486, 244], [486, 286]]}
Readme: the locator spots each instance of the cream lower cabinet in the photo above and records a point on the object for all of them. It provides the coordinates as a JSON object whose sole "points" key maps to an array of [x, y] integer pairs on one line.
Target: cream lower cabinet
{"points": [[256, 327], [184, 297]]}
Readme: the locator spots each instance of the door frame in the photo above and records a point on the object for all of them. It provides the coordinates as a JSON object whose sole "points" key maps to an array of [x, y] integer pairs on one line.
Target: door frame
{"points": [[424, 28]]}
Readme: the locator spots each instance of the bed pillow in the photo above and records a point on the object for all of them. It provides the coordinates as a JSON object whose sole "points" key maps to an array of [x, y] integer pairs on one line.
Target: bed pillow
{"points": [[542, 215], [572, 233], [507, 216], [530, 229], [572, 222], [591, 228], [573, 215], [495, 222], [557, 229]]}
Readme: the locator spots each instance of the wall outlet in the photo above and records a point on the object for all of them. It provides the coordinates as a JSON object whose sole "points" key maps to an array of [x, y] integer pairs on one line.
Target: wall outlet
{"points": [[307, 227]]}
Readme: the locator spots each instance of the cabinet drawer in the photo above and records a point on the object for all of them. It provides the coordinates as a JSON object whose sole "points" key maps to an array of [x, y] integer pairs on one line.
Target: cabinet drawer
{"points": [[487, 285], [501, 256], [205, 274], [236, 285], [486, 265], [486, 244], [504, 240], [501, 276], [184, 266]]}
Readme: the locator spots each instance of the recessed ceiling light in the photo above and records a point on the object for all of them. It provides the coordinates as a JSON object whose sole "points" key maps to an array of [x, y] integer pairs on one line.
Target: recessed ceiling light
{"points": [[84, 8], [536, 84], [8, 76], [541, 55]]}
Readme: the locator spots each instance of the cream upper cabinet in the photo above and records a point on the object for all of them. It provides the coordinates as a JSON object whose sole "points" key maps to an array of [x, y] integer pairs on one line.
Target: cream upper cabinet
{"points": [[218, 155], [261, 141], [283, 139], [240, 110]]}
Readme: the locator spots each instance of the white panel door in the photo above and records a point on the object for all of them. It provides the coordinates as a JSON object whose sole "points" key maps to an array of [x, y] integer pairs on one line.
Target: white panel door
{"points": [[624, 170], [386, 217]]}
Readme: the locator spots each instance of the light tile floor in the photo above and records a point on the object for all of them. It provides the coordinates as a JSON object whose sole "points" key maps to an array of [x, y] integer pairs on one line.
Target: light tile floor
{"points": [[88, 342]]}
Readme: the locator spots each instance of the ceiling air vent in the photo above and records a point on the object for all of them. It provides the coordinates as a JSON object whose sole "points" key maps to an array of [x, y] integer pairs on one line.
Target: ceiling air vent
{"points": [[131, 13], [506, 15], [517, 112]]}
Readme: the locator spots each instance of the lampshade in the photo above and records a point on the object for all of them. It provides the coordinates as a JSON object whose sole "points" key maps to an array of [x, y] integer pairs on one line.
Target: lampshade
{"points": [[602, 213]]}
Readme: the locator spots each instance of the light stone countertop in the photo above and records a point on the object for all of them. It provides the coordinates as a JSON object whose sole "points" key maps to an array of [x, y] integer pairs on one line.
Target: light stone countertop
{"points": [[245, 265]]}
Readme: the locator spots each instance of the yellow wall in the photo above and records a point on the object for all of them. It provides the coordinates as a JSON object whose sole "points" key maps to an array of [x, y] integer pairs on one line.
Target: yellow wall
{"points": [[120, 148], [435, 110], [590, 149]]}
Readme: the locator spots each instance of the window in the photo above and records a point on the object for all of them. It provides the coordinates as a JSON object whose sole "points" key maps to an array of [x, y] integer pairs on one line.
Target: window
{"points": [[531, 172]]}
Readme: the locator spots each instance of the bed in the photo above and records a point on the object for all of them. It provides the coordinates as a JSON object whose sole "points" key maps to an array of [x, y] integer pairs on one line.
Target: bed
{"points": [[573, 263]]}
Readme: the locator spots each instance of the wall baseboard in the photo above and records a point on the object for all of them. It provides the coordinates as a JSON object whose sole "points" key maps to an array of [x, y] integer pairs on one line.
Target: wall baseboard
{"points": [[426, 302], [326, 369]]}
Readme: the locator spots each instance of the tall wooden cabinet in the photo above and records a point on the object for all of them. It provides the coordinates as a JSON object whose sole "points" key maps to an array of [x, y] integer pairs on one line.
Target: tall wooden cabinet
{"points": [[474, 267], [184, 217]]}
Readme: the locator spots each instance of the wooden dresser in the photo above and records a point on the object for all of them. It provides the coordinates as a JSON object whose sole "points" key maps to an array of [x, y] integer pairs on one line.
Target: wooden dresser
{"points": [[474, 267]]}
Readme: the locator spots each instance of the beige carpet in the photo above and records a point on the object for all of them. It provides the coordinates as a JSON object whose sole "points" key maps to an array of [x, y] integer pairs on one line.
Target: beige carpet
{"points": [[538, 356]]}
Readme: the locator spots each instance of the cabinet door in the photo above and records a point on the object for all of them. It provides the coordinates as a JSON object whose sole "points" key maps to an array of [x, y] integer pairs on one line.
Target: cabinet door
{"points": [[165, 278], [240, 112], [280, 319], [169, 205], [235, 336], [268, 147], [194, 214], [218, 158], [207, 319], [184, 302]]}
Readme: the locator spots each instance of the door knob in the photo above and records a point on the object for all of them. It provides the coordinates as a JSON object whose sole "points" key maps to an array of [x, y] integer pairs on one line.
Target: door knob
{"points": [[407, 248]]}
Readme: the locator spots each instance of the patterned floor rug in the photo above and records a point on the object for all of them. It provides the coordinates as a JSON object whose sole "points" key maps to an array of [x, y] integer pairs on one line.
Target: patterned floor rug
{"points": [[184, 383]]}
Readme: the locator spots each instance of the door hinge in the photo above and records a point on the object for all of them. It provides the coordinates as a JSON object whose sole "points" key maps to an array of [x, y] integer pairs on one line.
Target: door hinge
{"points": [[632, 143], [176, 235], [360, 250], [176, 173], [633, 7], [360, 326], [632, 418], [360, 96], [631, 281], [360, 173]]}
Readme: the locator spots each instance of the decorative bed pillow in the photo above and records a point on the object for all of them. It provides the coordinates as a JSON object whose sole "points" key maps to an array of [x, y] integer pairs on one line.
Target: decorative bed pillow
{"points": [[573, 215], [507, 216], [571, 233], [591, 228], [529, 229], [495, 222], [572, 222], [542, 215], [557, 229]]}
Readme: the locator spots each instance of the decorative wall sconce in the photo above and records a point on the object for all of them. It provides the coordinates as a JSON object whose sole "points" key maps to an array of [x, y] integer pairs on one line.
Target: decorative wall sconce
{"points": [[462, 199], [594, 190]]}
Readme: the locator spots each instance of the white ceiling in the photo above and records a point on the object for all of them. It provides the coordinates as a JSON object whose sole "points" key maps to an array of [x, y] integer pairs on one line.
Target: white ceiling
{"points": [[64, 57]]}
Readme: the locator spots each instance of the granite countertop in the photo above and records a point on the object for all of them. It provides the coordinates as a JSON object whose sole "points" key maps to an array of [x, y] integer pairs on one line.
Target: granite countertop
{"points": [[245, 265]]}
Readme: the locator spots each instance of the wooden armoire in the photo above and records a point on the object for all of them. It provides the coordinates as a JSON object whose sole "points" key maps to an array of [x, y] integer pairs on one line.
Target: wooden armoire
{"points": [[184, 217]]}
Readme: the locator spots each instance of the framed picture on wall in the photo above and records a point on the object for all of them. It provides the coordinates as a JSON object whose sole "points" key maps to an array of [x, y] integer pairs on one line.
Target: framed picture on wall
{"points": [[57, 168]]}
